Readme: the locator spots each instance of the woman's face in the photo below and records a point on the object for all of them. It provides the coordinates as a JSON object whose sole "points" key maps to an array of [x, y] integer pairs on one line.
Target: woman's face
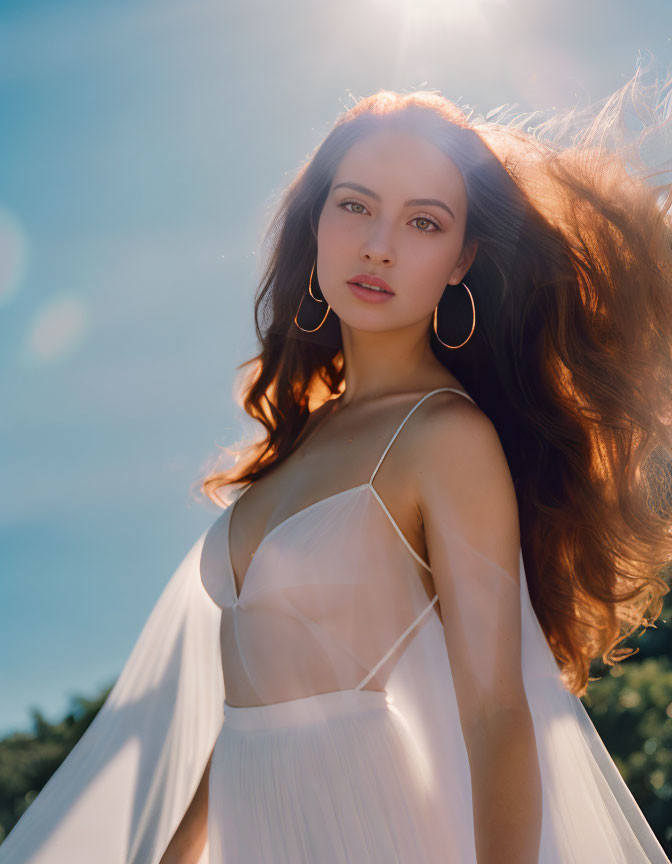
{"points": [[374, 224]]}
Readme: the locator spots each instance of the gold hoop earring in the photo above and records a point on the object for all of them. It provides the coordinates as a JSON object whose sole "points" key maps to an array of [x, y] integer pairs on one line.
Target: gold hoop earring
{"points": [[303, 329], [473, 323], [310, 282]]}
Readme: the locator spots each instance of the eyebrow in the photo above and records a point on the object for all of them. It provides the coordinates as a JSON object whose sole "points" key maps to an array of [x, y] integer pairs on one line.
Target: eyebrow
{"points": [[412, 202]]}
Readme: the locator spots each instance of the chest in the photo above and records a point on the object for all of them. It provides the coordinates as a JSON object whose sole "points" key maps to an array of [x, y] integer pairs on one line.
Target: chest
{"points": [[305, 487]]}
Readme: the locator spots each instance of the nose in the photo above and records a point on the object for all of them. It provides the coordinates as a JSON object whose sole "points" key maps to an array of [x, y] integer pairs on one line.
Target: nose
{"points": [[378, 246]]}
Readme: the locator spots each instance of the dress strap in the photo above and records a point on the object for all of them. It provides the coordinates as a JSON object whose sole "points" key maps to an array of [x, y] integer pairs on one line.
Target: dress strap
{"points": [[389, 444], [401, 425], [398, 642]]}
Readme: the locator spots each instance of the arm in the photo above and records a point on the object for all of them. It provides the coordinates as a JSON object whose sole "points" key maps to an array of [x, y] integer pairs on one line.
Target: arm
{"points": [[506, 789], [188, 842], [470, 514]]}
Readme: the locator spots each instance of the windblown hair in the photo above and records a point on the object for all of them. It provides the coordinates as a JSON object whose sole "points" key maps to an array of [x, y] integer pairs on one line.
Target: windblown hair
{"points": [[571, 358]]}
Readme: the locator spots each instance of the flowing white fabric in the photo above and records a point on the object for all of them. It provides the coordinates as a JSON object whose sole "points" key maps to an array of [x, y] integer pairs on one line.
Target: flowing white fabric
{"points": [[121, 792], [348, 661]]}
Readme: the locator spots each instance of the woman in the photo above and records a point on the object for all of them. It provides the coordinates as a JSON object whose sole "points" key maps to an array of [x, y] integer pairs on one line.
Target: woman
{"points": [[454, 510]]}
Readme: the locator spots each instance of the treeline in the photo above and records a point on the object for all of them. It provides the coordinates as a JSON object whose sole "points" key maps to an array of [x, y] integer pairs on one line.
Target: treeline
{"points": [[28, 759]]}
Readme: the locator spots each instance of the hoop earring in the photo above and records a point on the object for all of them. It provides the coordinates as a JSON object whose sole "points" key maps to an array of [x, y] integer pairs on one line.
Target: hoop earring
{"points": [[305, 330], [310, 282], [473, 323]]}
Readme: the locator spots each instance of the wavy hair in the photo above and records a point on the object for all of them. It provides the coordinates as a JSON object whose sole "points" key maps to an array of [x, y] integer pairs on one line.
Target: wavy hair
{"points": [[571, 358]]}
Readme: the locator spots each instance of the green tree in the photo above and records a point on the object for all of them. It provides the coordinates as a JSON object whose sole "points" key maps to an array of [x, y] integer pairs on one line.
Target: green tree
{"points": [[28, 759], [631, 707]]}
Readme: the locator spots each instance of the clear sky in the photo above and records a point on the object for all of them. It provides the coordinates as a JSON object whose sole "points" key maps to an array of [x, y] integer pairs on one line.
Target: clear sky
{"points": [[143, 145]]}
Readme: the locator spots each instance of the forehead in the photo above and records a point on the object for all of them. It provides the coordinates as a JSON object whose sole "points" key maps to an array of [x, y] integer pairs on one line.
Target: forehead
{"points": [[396, 160]]}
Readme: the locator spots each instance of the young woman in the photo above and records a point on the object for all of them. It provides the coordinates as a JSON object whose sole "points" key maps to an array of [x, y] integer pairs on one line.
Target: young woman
{"points": [[376, 654]]}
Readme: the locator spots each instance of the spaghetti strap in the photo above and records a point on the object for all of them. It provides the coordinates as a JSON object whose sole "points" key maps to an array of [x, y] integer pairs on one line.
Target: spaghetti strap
{"points": [[374, 492], [401, 425], [386, 656], [427, 608]]}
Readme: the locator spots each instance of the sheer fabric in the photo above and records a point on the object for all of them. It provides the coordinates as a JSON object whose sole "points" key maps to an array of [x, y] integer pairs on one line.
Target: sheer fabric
{"points": [[348, 669]]}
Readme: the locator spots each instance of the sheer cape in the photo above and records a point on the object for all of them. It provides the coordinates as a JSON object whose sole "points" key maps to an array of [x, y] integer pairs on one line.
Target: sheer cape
{"points": [[335, 598]]}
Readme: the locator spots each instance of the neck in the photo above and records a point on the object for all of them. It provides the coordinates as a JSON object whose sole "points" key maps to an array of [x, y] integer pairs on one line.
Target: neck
{"points": [[391, 361]]}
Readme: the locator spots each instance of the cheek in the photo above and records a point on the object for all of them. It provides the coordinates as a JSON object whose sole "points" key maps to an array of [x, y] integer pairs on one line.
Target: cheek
{"points": [[426, 270], [331, 230], [337, 250], [420, 300], [431, 264]]}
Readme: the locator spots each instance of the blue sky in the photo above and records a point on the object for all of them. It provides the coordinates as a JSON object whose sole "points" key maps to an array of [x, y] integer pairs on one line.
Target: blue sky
{"points": [[143, 147]]}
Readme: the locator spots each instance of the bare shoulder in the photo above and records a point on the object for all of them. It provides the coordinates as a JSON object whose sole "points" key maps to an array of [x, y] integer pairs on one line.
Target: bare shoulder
{"points": [[462, 476], [449, 421]]}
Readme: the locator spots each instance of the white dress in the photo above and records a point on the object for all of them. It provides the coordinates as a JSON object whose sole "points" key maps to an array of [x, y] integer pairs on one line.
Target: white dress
{"points": [[352, 751]]}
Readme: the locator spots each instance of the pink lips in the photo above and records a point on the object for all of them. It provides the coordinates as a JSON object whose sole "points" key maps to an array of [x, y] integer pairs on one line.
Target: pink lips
{"points": [[370, 295], [371, 280]]}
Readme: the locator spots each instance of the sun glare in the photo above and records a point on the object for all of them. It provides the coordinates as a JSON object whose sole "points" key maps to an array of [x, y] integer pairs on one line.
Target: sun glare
{"points": [[436, 12]]}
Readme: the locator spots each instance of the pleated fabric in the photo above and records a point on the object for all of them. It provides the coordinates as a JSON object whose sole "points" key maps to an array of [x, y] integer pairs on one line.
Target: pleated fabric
{"points": [[333, 778]]}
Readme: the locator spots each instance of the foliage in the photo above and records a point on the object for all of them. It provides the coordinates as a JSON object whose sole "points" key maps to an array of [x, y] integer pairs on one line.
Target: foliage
{"points": [[631, 707], [28, 759]]}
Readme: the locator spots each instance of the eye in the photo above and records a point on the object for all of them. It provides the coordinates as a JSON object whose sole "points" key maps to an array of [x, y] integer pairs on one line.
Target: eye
{"points": [[347, 204], [430, 221]]}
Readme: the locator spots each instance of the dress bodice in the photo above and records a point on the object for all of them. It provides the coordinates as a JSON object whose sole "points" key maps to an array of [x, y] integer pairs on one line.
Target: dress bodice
{"points": [[330, 595]]}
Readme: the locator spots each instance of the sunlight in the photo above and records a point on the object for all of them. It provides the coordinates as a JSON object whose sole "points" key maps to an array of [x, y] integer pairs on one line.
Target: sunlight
{"points": [[437, 12]]}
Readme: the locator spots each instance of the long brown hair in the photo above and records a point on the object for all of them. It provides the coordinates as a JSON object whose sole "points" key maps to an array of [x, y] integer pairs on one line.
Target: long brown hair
{"points": [[571, 358]]}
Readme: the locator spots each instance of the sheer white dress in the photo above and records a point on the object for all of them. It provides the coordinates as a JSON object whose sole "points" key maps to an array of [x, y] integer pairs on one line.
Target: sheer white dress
{"points": [[349, 749]]}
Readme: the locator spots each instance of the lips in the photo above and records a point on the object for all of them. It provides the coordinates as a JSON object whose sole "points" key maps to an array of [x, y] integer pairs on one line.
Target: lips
{"points": [[366, 279]]}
